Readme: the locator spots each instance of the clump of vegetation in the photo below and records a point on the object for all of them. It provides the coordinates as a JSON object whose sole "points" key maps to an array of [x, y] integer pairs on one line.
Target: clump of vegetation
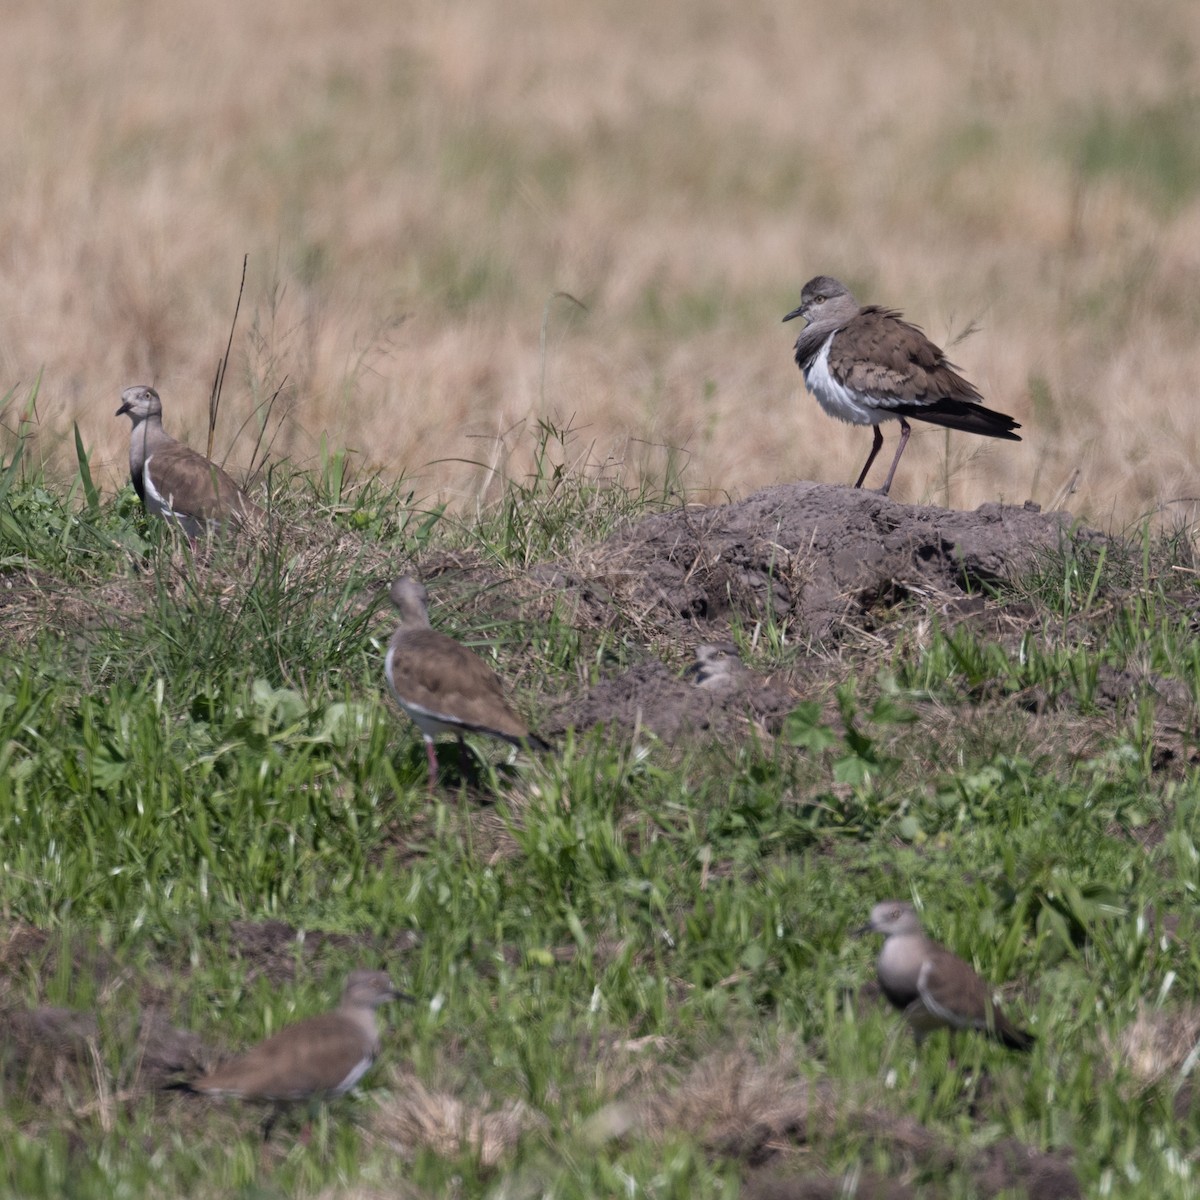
{"points": [[631, 958]]}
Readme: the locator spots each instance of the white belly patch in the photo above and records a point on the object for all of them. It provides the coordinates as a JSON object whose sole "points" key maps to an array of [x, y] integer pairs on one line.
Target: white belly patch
{"points": [[839, 401], [356, 1073]]}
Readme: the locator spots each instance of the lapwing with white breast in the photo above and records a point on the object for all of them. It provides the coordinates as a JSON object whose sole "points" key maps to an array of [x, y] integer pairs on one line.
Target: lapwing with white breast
{"points": [[443, 686], [173, 481], [867, 365], [314, 1059], [930, 985]]}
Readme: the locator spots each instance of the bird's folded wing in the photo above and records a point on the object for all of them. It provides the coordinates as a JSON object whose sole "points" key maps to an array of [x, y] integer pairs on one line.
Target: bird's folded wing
{"points": [[953, 992]]}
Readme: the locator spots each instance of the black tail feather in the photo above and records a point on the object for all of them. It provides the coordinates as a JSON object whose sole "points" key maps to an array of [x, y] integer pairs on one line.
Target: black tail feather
{"points": [[1016, 1039], [963, 416]]}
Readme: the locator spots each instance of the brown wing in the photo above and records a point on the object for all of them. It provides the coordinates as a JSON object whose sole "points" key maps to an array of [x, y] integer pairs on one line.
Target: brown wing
{"points": [[894, 362], [433, 671], [306, 1059], [954, 993], [191, 484]]}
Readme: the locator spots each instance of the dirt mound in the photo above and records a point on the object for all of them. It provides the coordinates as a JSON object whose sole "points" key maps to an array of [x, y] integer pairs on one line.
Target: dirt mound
{"points": [[275, 949], [815, 556], [1011, 1165], [775, 1121], [815, 563], [772, 1184], [43, 1048], [650, 696]]}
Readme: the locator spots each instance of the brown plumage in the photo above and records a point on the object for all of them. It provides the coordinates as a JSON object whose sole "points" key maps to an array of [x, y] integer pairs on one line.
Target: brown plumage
{"points": [[316, 1058], [869, 365], [930, 985], [440, 684], [174, 481]]}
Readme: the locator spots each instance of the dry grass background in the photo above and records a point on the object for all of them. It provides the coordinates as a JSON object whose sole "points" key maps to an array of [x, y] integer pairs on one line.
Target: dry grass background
{"points": [[414, 182]]}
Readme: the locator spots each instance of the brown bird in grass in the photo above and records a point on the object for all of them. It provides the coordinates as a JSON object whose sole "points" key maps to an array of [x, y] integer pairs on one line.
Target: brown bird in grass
{"points": [[173, 481], [931, 986], [318, 1058], [867, 365], [443, 686]]}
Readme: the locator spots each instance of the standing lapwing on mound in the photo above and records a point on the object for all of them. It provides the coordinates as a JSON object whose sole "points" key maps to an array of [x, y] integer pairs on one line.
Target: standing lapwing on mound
{"points": [[314, 1059], [175, 482], [930, 985], [867, 365], [443, 686]]}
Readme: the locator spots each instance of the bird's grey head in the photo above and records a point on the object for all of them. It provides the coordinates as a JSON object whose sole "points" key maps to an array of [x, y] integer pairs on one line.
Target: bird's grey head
{"points": [[412, 600], [369, 989], [824, 301], [891, 917], [138, 403]]}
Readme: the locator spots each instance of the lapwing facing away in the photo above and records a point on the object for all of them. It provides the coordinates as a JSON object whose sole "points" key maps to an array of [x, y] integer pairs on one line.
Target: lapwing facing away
{"points": [[175, 482], [867, 365], [717, 668], [443, 686], [314, 1059], [930, 985]]}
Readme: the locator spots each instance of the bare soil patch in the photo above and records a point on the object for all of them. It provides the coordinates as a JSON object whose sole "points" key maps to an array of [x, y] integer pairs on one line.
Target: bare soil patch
{"points": [[822, 559], [825, 567], [774, 1120], [651, 696]]}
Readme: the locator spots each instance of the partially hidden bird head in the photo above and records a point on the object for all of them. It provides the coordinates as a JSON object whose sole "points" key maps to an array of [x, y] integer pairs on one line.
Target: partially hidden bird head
{"points": [[138, 403], [411, 599], [370, 989], [892, 916]]}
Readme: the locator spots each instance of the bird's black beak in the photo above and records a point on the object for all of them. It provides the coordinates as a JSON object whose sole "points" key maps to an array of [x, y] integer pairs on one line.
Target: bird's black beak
{"points": [[122, 410], [862, 929], [796, 312]]}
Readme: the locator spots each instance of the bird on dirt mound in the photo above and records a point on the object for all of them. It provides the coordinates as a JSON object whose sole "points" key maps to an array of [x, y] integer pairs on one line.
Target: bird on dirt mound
{"points": [[867, 365]]}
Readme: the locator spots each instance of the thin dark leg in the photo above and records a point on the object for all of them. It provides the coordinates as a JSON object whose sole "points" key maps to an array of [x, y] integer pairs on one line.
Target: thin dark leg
{"points": [[905, 430], [269, 1122], [466, 764], [871, 457], [431, 755]]}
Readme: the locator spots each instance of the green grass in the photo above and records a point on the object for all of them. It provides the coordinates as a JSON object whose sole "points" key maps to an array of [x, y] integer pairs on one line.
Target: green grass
{"points": [[189, 742], [1156, 149]]}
